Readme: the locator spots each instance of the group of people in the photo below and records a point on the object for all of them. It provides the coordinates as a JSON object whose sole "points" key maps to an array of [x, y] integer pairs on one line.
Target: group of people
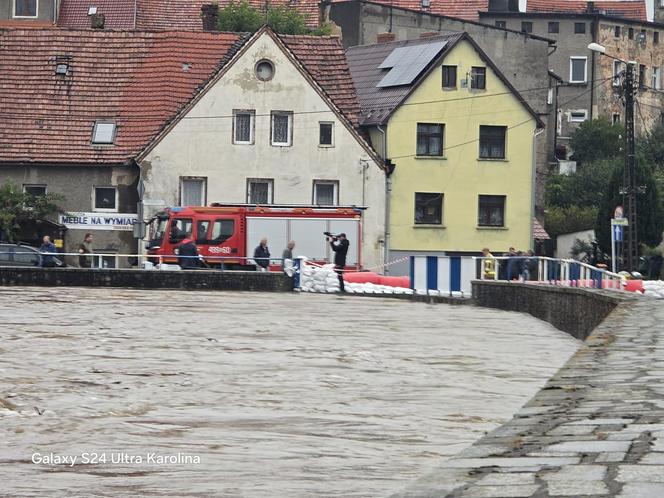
{"points": [[514, 265], [47, 251], [339, 245]]}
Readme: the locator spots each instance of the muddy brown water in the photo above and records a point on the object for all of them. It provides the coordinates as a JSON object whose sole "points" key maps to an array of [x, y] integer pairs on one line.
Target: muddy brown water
{"points": [[122, 393]]}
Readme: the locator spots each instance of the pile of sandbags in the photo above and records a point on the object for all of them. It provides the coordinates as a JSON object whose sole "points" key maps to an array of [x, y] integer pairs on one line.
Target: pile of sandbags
{"points": [[654, 288], [318, 278], [314, 278]]}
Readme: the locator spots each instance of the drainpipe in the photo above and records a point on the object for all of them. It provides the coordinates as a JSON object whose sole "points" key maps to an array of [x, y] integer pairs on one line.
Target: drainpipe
{"points": [[533, 189], [388, 191]]}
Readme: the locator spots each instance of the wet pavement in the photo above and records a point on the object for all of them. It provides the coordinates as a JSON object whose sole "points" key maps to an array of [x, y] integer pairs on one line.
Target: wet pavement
{"points": [[114, 392], [595, 430]]}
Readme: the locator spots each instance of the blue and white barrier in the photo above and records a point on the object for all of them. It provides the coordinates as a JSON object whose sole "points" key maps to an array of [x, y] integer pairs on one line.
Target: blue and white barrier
{"points": [[439, 275]]}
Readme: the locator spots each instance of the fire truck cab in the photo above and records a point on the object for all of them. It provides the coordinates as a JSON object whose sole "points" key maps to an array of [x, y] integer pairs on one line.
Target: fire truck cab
{"points": [[228, 233]]}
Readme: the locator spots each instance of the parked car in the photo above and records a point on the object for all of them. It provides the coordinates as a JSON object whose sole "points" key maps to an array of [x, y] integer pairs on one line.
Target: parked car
{"points": [[21, 255]]}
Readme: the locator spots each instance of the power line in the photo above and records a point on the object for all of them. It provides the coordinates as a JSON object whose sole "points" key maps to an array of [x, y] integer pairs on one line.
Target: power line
{"points": [[168, 116], [602, 81]]}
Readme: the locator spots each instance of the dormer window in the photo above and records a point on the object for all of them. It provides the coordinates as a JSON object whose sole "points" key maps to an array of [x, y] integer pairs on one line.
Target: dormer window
{"points": [[103, 133]]}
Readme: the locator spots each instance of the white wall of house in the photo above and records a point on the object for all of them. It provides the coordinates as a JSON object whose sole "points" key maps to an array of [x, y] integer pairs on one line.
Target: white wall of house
{"points": [[565, 242], [202, 145]]}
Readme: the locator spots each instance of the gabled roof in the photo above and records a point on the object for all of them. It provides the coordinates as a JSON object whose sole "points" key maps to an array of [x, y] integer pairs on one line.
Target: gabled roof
{"points": [[321, 60], [378, 103], [141, 80], [137, 79], [160, 14], [630, 9]]}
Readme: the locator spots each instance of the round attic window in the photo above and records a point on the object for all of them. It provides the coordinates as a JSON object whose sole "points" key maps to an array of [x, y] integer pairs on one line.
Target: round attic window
{"points": [[264, 70]]}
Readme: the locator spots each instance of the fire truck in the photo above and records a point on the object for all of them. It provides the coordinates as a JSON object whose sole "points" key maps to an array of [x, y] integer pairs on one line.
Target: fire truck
{"points": [[228, 233]]}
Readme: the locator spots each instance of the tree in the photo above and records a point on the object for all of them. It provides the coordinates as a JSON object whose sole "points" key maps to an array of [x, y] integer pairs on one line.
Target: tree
{"points": [[559, 220], [17, 207], [596, 139], [242, 17], [286, 20], [586, 187], [650, 215]]}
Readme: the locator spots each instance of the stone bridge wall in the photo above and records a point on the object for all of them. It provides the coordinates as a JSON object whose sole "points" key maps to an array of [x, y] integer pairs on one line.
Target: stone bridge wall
{"points": [[575, 311], [199, 280]]}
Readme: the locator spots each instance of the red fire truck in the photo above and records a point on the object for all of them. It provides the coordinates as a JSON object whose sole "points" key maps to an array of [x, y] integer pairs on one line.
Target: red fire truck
{"points": [[229, 233]]}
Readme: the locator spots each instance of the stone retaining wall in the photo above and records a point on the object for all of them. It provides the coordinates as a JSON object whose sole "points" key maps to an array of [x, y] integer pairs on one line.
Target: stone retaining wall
{"points": [[575, 311], [199, 279]]}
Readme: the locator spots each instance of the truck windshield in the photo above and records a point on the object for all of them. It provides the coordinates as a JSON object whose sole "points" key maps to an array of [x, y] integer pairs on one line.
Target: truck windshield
{"points": [[157, 230]]}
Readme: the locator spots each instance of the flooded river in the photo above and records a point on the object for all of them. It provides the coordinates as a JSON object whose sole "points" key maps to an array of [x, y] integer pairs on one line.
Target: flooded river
{"points": [[123, 393]]}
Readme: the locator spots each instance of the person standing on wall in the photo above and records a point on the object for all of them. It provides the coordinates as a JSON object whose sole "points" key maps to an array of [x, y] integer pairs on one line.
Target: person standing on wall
{"points": [[85, 248], [340, 246], [262, 255]]}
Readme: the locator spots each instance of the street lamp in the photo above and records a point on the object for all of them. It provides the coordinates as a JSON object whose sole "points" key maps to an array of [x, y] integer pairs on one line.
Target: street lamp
{"points": [[629, 190]]}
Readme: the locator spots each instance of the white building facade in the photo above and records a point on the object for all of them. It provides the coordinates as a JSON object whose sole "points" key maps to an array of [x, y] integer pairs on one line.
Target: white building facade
{"points": [[265, 132]]}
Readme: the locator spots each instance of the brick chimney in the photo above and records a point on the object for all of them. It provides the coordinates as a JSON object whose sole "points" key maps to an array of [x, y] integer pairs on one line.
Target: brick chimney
{"points": [[210, 16], [97, 21], [385, 37]]}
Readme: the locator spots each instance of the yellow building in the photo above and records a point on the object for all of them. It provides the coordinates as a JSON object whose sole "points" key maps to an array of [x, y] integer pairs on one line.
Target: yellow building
{"points": [[460, 139]]}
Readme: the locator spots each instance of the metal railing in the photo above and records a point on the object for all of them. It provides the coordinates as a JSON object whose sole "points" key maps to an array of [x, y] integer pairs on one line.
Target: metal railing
{"points": [[548, 271], [97, 260]]}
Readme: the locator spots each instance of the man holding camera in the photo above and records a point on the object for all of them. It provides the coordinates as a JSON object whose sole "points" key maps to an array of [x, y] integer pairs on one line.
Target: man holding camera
{"points": [[339, 245]]}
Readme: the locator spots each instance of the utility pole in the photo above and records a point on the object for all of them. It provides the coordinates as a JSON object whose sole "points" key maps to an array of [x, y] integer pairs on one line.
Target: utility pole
{"points": [[629, 190]]}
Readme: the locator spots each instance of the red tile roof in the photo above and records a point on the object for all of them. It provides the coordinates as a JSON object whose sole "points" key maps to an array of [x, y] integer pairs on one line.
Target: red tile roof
{"points": [[160, 14], [324, 59], [140, 80], [468, 9], [134, 78], [631, 9], [539, 232], [118, 14], [463, 9]]}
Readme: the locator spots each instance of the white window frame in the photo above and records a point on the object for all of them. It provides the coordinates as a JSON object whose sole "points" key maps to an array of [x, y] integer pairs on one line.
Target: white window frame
{"points": [[289, 114], [585, 68], [572, 119], [35, 185], [335, 193], [331, 123], [94, 199], [617, 69], [252, 126], [656, 78], [14, 16], [270, 189], [202, 179], [104, 122]]}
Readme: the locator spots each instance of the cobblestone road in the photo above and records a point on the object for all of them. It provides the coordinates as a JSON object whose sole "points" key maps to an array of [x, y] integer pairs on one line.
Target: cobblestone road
{"points": [[278, 395], [596, 429]]}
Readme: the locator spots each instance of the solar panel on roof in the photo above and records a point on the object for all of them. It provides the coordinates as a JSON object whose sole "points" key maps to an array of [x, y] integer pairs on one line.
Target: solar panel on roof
{"points": [[407, 63]]}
